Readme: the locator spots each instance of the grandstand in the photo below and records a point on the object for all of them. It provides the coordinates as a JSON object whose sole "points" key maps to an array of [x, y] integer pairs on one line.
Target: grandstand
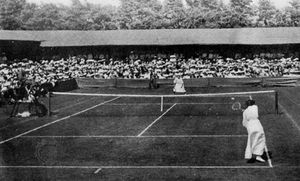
{"points": [[104, 123]]}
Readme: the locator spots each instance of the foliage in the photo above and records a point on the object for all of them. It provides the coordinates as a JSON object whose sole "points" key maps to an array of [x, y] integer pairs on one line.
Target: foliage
{"points": [[10, 11], [146, 14], [293, 12]]}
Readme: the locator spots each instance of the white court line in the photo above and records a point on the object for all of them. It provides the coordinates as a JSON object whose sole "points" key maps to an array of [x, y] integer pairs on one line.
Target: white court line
{"points": [[151, 103], [156, 120], [35, 119], [292, 100], [137, 167], [289, 116], [98, 170], [149, 136], [268, 156], [58, 120]]}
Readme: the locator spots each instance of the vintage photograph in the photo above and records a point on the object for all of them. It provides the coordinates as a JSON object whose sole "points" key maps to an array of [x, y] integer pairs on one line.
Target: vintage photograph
{"points": [[149, 90]]}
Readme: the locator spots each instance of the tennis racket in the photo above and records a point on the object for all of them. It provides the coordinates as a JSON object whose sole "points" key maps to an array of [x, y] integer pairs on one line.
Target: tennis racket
{"points": [[236, 106]]}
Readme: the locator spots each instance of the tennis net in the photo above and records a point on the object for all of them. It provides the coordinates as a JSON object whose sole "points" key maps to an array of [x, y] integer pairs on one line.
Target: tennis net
{"points": [[212, 104]]}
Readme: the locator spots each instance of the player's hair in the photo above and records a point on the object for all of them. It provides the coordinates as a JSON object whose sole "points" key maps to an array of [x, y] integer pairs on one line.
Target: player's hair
{"points": [[250, 102]]}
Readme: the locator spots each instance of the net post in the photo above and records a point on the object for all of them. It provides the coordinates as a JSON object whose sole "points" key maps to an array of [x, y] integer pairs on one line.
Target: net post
{"points": [[161, 103], [49, 104], [276, 102]]}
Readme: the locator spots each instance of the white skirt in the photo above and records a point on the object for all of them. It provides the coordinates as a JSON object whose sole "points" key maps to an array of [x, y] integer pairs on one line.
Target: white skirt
{"points": [[179, 88], [256, 142]]}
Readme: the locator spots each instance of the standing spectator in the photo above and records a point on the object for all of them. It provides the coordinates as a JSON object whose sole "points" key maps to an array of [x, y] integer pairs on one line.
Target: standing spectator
{"points": [[3, 58], [152, 82]]}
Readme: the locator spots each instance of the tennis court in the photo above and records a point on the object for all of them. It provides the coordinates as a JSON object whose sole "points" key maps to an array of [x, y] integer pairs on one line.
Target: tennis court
{"points": [[159, 137]]}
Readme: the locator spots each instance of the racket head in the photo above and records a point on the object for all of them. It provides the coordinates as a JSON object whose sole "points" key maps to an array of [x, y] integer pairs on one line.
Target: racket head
{"points": [[236, 106]]}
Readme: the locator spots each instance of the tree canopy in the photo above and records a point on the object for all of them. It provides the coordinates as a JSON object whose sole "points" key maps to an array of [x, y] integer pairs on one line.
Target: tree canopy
{"points": [[147, 14]]}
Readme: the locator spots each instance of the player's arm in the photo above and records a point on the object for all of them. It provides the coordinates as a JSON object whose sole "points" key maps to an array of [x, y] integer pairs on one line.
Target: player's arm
{"points": [[244, 120]]}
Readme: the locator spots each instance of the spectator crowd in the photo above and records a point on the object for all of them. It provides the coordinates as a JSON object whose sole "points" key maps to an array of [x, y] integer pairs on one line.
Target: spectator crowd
{"points": [[45, 71]]}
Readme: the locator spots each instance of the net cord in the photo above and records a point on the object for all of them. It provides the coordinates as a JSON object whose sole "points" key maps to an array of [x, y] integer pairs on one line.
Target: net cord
{"points": [[159, 96], [170, 96]]}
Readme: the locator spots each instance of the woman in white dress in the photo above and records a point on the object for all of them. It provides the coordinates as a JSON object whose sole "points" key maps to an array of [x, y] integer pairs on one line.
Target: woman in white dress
{"points": [[256, 136], [178, 85]]}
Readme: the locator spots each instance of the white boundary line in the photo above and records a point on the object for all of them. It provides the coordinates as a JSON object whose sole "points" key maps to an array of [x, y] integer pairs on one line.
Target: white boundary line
{"points": [[98, 170], [156, 120], [291, 100], [34, 119], [151, 103], [268, 156], [158, 96], [289, 116], [58, 120], [151, 136], [136, 167]]}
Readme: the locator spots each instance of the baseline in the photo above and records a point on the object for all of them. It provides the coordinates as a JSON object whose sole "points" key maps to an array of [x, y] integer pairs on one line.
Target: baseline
{"points": [[151, 136], [137, 167]]}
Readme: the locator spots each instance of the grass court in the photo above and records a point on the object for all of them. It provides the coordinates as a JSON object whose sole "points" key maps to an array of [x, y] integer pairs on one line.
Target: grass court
{"points": [[119, 138]]}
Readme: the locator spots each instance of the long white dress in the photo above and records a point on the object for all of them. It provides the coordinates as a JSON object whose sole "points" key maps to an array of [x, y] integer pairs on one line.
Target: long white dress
{"points": [[179, 85], [256, 135]]}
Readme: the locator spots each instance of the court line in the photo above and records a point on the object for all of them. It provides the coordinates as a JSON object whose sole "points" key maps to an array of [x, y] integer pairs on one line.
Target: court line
{"points": [[137, 167], [268, 156], [149, 136], [291, 100], [156, 120], [58, 120], [289, 116], [35, 118], [138, 104], [98, 170]]}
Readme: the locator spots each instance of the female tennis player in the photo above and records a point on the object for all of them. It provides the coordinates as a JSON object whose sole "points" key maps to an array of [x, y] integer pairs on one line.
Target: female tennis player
{"points": [[178, 85], [256, 136]]}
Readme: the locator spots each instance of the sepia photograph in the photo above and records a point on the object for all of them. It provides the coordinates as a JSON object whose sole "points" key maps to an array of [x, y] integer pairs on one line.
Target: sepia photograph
{"points": [[149, 90]]}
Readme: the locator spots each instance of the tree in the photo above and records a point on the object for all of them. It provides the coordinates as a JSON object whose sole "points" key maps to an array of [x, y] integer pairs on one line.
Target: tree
{"points": [[173, 14], [203, 13], [102, 18], [44, 17], [10, 11], [27, 14], [266, 13], [294, 12], [76, 16], [139, 14], [238, 14], [282, 19]]}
